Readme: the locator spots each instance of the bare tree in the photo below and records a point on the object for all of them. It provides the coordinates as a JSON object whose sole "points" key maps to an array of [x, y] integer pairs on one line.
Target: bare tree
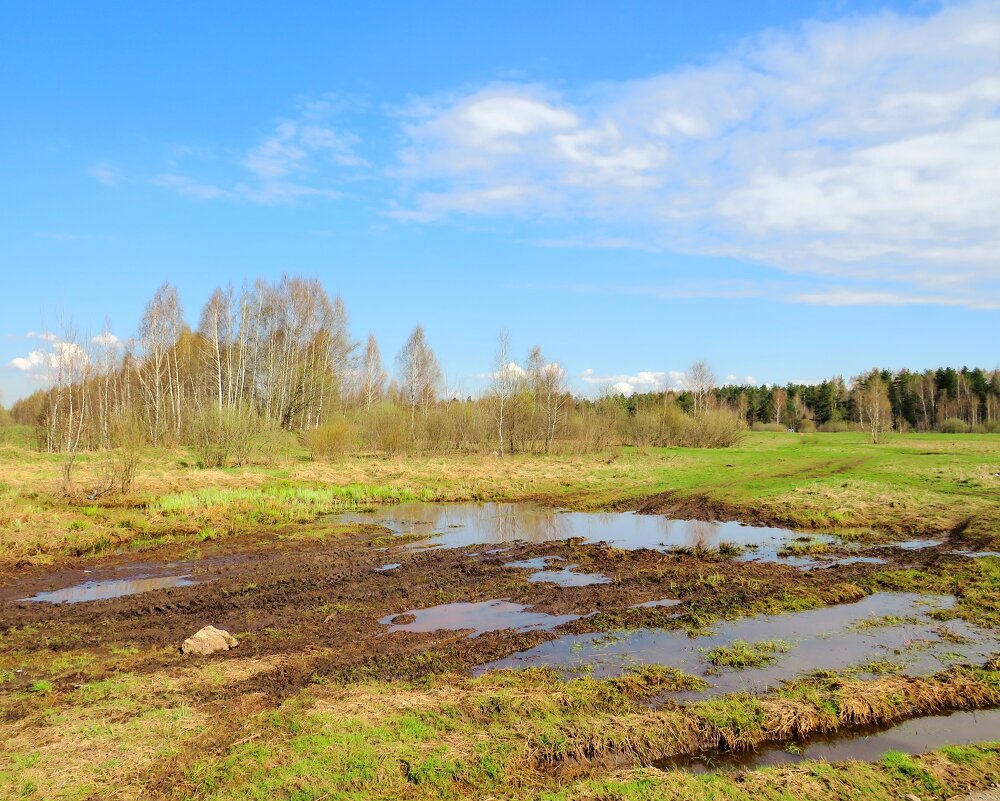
{"points": [[419, 374], [701, 381], [373, 376], [69, 371], [504, 384], [216, 328], [548, 386], [159, 330], [875, 406]]}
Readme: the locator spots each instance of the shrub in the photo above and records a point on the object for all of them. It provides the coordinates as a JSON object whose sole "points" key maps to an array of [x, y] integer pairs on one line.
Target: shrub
{"points": [[331, 440], [773, 427], [839, 426], [806, 426], [128, 436], [954, 425], [718, 428], [390, 430], [224, 437]]}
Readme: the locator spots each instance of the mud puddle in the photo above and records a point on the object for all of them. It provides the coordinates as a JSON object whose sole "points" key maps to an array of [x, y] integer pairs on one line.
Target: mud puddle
{"points": [[894, 627], [462, 525], [106, 590], [916, 736], [478, 618], [563, 575]]}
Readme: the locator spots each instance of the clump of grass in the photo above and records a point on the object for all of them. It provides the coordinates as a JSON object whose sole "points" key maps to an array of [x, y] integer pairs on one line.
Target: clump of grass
{"points": [[883, 621], [741, 654], [317, 500], [808, 548]]}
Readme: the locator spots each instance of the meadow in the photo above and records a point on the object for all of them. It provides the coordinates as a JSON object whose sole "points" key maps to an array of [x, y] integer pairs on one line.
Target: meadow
{"points": [[328, 696]]}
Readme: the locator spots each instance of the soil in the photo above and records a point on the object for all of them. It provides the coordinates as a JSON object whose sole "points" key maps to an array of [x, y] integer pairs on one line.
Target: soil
{"points": [[316, 604]]}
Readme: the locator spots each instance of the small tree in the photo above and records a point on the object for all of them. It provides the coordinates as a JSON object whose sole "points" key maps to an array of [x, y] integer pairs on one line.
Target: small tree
{"points": [[701, 382], [373, 377], [876, 410], [504, 385], [419, 375]]}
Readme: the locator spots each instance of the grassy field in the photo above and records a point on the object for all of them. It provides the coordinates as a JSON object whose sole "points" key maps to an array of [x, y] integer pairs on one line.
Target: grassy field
{"points": [[918, 484], [100, 705]]}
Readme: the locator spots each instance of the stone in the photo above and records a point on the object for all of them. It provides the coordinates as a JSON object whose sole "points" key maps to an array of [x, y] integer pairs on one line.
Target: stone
{"points": [[207, 641]]}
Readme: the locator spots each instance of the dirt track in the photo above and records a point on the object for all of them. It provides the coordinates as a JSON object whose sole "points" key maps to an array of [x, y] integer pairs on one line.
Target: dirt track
{"points": [[317, 604]]}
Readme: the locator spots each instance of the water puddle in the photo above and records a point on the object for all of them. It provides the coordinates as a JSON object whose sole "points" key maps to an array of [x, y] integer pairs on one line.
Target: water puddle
{"points": [[821, 564], [105, 590], [388, 567], [461, 525], [564, 576], [918, 544], [654, 604], [917, 736], [894, 627], [478, 617]]}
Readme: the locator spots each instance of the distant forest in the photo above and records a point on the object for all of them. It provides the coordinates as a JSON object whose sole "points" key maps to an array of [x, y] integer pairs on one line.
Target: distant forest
{"points": [[279, 357]]}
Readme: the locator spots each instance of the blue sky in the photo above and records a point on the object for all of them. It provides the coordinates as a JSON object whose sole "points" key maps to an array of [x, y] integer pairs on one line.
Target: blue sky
{"points": [[790, 190]]}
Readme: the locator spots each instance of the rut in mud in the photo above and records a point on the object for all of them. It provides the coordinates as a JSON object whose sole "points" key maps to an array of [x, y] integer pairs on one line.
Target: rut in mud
{"points": [[317, 601]]}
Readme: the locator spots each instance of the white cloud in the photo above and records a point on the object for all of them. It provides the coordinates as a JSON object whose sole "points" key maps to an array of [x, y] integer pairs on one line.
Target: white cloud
{"points": [[865, 149], [105, 339], [62, 362], [104, 173], [46, 336], [189, 187], [296, 160], [642, 381]]}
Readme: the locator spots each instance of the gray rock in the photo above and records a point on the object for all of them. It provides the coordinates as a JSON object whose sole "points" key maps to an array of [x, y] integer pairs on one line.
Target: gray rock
{"points": [[208, 641]]}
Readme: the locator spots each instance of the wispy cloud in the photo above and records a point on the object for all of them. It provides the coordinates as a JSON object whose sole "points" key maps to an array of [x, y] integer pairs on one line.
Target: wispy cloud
{"points": [[865, 149], [796, 291], [105, 173], [642, 381], [41, 365], [189, 187], [300, 158]]}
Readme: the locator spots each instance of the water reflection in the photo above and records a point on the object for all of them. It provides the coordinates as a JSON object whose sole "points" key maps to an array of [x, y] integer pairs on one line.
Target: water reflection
{"points": [[460, 525], [105, 590], [478, 617], [831, 638], [917, 736]]}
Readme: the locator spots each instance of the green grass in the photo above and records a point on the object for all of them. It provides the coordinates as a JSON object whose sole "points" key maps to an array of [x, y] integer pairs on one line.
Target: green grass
{"points": [[741, 654], [291, 499], [915, 484]]}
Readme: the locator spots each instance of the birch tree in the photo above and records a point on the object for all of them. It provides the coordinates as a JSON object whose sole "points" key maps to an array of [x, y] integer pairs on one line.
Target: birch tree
{"points": [[547, 382], [419, 375], [701, 382], [373, 376], [504, 384]]}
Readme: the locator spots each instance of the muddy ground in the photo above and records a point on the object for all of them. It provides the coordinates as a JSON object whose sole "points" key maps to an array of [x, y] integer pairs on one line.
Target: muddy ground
{"points": [[315, 604]]}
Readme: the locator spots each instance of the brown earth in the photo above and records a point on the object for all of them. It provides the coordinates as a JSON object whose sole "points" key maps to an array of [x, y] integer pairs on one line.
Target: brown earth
{"points": [[315, 605]]}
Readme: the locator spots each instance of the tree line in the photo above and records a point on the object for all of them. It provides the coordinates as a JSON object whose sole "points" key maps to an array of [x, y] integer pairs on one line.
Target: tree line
{"points": [[279, 356]]}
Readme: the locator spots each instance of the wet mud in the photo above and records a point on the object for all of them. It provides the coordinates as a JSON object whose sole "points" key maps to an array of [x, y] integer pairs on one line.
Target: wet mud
{"points": [[324, 605]]}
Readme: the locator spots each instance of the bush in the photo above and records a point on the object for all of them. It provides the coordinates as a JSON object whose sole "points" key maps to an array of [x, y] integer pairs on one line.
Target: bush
{"points": [[806, 426], [772, 427], [224, 437], [954, 425], [645, 428], [719, 428], [839, 426], [119, 465], [331, 440], [389, 429]]}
